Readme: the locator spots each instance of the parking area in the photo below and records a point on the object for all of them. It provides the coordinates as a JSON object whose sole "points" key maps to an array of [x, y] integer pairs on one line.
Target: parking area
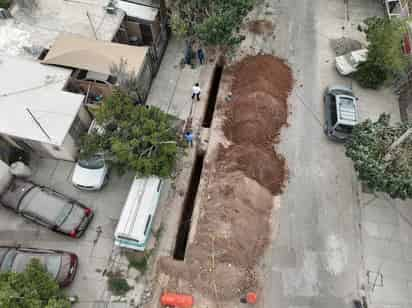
{"points": [[95, 248]]}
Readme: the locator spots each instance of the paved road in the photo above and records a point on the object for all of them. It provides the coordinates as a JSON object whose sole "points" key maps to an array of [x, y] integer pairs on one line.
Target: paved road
{"points": [[315, 259]]}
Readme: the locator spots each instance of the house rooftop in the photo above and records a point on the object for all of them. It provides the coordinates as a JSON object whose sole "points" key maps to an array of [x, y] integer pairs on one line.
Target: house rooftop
{"points": [[33, 105], [36, 27]]}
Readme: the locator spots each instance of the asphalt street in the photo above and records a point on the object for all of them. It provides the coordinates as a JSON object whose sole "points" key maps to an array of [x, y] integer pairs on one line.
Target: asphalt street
{"points": [[315, 259]]}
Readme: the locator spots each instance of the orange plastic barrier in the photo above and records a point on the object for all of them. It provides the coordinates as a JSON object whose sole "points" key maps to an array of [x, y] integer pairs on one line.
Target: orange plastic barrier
{"points": [[177, 300], [251, 298]]}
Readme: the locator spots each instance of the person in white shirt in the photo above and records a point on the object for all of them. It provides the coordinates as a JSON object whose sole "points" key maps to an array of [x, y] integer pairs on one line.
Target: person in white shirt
{"points": [[196, 91]]}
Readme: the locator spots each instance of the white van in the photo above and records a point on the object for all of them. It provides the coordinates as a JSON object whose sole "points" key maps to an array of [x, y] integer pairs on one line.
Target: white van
{"points": [[133, 228]]}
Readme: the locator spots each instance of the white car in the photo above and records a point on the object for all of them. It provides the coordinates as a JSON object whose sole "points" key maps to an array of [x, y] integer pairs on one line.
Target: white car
{"points": [[91, 173], [349, 62]]}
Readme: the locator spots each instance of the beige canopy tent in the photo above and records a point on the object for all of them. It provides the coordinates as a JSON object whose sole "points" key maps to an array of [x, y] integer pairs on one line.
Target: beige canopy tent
{"points": [[98, 56]]}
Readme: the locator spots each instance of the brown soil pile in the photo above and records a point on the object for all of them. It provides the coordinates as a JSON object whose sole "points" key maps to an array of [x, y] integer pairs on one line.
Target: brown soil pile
{"points": [[233, 227], [257, 112], [260, 26]]}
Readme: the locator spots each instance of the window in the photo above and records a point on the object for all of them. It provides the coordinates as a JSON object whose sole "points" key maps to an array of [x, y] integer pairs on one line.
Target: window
{"points": [[333, 114], [147, 224]]}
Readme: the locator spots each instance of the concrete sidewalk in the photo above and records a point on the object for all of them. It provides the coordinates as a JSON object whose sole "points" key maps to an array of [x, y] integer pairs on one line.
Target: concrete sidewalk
{"points": [[387, 250], [172, 88]]}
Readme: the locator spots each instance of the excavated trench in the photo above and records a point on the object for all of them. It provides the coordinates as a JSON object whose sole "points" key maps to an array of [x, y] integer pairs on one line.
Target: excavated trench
{"points": [[188, 205], [190, 199], [211, 102]]}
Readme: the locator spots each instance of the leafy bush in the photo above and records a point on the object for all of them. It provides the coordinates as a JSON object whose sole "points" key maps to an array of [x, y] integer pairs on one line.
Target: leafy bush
{"points": [[4, 4], [138, 261], [117, 284], [370, 75], [385, 55], [139, 138], [214, 22]]}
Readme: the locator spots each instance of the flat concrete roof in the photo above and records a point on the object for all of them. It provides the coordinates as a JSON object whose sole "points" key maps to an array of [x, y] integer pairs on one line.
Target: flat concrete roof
{"points": [[40, 25], [32, 92]]}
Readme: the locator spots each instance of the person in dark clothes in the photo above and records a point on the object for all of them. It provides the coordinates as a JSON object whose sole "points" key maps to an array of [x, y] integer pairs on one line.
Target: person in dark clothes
{"points": [[201, 55]]}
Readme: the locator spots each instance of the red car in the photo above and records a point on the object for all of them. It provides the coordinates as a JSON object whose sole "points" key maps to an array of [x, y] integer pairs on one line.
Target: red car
{"points": [[61, 265]]}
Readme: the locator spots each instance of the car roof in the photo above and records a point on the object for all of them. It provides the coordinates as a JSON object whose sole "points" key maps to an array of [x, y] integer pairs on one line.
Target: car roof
{"points": [[43, 204], [346, 110]]}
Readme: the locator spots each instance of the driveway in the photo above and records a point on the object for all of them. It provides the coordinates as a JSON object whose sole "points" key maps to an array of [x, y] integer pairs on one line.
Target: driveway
{"points": [[94, 250], [315, 260]]}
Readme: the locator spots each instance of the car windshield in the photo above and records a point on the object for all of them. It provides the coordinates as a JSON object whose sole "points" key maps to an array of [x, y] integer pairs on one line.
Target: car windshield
{"points": [[346, 129], [351, 60], [94, 162], [53, 263]]}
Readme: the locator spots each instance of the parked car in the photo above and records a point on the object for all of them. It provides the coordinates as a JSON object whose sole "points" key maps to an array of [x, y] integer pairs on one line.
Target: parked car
{"points": [[43, 205], [341, 112], [61, 265], [348, 63], [100, 78], [91, 173]]}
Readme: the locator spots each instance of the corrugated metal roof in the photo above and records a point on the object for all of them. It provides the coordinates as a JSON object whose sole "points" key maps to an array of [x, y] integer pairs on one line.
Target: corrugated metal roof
{"points": [[29, 85]]}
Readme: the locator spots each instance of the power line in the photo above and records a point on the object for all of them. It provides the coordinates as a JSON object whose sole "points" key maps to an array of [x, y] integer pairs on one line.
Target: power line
{"points": [[309, 108]]}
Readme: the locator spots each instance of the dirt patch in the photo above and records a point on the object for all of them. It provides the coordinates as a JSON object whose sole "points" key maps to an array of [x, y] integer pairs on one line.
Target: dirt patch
{"points": [[240, 182], [260, 26]]}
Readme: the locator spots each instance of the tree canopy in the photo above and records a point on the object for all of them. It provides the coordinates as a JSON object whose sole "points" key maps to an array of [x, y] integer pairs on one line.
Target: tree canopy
{"points": [[138, 138], [385, 54], [381, 168], [33, 288], [214, 22]]}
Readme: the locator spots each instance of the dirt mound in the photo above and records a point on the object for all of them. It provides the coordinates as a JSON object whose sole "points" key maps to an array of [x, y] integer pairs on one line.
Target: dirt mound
{"points": [[260, 26], [258, 162], [233, 226], [255, 116]]}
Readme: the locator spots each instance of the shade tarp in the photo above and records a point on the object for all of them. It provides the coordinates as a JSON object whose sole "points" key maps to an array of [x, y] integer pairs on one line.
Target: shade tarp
{"points": [[98, 56]]}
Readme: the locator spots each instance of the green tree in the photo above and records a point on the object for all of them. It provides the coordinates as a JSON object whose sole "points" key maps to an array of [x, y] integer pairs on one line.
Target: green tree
{"points": [[4, 4], [381, 166], [138, 138], [33, 288], [214, 22], [385, 55]]}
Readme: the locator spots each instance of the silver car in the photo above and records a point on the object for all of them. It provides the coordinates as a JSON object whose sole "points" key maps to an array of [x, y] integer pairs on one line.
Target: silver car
{"points": [[47, 207], [341, 112], [61, 265]]}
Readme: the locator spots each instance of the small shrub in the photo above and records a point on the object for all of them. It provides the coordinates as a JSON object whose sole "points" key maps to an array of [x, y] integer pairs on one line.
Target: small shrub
{"points": [[138, 261], [117, 284], [370, 75]]}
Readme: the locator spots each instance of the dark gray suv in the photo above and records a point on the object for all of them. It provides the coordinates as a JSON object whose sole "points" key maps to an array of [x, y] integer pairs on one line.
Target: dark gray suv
{"points": [[43, 205], [341, 112]]}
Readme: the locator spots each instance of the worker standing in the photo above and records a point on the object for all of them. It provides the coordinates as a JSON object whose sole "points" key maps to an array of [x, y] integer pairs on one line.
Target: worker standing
{"points": [[196, 91]]}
